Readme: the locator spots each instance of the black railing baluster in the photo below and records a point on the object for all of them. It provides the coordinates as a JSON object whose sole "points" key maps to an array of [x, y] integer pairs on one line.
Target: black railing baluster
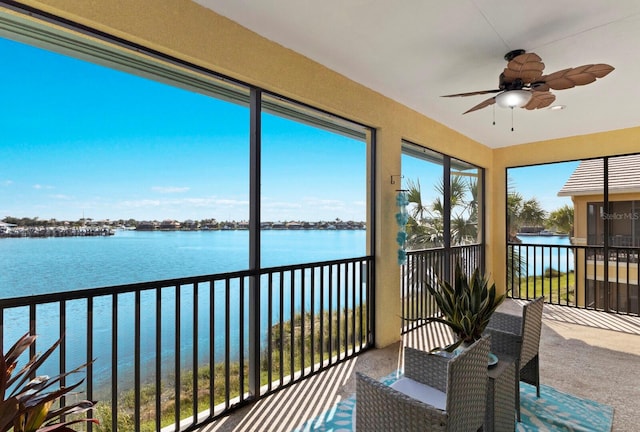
{"points": [[361, 272], [196, 371], [331, 335], [241, 341], [322, 291], [560, 273], [63, 350], [33, 331], [427, 267], [302, 320], [227, 344], [176, 365], [2, 328], [542, 270], [353, 307], [158, 365], [270, 331], [345, 285], [566, 272], [212, 346], [414, 294], [292, 327], [338, 310], [136, 362], [114, 362], [281, 325], [313, 318], [89, 356], [629, 287]]}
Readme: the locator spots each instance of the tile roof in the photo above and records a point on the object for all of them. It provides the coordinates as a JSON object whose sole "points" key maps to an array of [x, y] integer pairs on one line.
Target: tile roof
{"points": [[587, 179]]}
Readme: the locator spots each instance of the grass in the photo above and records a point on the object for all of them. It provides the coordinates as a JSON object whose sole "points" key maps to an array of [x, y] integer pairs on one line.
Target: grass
{"points": [[291, 352], [557, 287]]}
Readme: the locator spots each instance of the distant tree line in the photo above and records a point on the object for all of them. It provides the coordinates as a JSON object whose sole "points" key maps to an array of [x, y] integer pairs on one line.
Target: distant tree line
{"points": [[425, 228], [529, 213], [27, 222]]}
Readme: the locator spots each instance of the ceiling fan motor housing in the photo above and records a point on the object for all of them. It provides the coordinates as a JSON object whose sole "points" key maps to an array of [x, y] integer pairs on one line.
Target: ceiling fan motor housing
{"points": [[516, 84], [513, 54], [522, 83]]}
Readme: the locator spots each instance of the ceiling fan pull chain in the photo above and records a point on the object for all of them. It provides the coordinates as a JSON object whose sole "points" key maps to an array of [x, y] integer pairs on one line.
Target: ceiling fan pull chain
{"points": [[511, 119], [494, 114]]}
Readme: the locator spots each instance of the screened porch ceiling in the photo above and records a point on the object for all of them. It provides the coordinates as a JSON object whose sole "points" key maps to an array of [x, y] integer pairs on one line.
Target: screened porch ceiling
{"points": [[414, 51]]}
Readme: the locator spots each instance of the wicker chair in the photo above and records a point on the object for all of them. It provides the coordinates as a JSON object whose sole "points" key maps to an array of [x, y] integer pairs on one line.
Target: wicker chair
{"points": [[436, 393], [518, 337]]}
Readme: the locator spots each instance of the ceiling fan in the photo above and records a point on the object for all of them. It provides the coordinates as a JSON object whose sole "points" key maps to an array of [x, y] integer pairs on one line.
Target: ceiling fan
{"points": [[522, 84]]}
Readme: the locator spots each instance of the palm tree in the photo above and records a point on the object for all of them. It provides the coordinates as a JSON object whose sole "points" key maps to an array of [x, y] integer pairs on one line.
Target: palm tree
{"points": [[425, 228], [514, 208], [417, 210], [423, 231], [562, 219], [532, 213], [458, 190]]}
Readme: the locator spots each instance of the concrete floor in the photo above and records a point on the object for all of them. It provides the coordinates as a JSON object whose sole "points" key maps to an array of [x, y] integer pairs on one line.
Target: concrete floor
{"points": [[588, 354]]}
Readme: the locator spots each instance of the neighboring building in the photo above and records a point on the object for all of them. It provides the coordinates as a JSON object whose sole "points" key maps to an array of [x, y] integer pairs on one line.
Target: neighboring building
{"points": [[586, 189], [190, 225], [169, 224], [6, 227], [146, 226]]}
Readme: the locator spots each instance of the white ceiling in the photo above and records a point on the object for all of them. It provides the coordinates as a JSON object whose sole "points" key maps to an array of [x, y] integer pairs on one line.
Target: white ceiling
{"points": [[414, 51]]}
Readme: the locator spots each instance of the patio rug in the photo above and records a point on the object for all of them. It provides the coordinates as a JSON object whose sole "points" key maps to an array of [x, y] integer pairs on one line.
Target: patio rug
{"points": [[553, 411]]}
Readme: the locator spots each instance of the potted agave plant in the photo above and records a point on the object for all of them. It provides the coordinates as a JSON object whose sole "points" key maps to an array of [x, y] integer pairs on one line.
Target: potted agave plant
{"points": [[466, 305], [27, 403]]}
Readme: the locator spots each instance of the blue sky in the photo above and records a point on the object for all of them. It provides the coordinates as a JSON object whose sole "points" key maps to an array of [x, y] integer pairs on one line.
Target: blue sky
{"points": [[541, 181], [82, 140]]}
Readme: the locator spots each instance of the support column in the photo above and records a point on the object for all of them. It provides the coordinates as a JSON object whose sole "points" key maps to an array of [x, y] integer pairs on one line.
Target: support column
{"points": [[387, 298], [254, 243]]}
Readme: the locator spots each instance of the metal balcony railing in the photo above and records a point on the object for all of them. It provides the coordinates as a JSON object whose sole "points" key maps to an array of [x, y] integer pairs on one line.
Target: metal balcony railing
{"points": [[577, 276], [565, 275], [426, 267], [175, 354]]}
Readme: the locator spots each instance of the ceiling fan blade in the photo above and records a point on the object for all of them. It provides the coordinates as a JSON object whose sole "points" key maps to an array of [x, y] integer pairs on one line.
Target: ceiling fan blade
{"points": [[473, 93], [483, 104], [539, 86], [581, 75], [528, 67], [540, 99]]}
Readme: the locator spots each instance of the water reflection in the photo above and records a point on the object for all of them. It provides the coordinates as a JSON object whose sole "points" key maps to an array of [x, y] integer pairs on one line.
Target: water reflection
{"points": [[546, 252]]}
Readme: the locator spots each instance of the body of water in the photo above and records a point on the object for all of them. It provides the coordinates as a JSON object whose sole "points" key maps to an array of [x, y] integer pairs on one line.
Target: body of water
{"points": [[540, 258], [43, 265]]}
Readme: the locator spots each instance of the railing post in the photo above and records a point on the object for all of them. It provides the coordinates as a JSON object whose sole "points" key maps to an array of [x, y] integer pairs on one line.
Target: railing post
{"points": [[254, 243], [607, 232], [446, 217]]}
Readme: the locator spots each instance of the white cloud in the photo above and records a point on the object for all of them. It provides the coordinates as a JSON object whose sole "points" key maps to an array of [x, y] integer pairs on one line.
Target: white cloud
{"points": [[282, 205], [7, 183], [61, 197], [140, 203], [39, 186], [170, 189]]}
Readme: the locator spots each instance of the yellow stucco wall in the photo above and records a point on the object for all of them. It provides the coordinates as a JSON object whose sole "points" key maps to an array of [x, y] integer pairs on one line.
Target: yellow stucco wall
{"points": [[617, 142], [188, 31], [620, 272], [580, 210]]}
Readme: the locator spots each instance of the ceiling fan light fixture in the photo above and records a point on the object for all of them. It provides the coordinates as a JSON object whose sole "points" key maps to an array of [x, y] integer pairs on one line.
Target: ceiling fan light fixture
{"points": [[513, 98]]}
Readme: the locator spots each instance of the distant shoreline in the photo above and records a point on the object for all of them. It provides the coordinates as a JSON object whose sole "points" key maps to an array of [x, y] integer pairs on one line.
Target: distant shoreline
{"points": [[40, 232], [105, 231]]}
